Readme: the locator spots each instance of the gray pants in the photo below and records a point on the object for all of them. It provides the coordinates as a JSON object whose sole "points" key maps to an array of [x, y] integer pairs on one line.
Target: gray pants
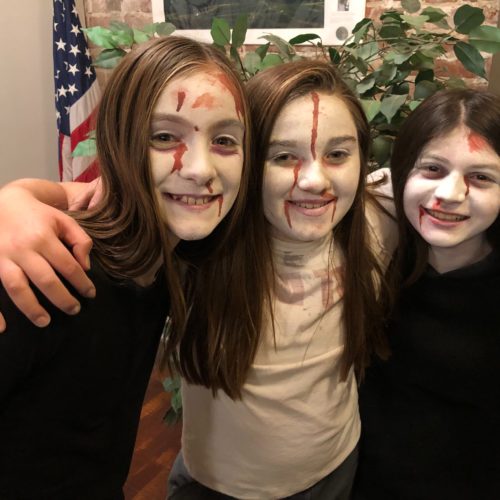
{"points": [[335, 486]]}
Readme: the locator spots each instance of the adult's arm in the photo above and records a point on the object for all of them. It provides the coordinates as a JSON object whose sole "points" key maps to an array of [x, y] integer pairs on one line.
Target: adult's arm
{"points": [[39, 240]]}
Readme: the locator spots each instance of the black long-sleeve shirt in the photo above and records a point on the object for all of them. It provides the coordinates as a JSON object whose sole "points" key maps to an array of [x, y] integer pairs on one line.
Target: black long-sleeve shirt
{"points": [[71, 393], [431, 414]]}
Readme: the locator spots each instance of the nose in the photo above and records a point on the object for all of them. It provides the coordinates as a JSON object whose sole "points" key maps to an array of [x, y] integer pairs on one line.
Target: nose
{"points": [[452, 188], [312, 177], [198, 164]]}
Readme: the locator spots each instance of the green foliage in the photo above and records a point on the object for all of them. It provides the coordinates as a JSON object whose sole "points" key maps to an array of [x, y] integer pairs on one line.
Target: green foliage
{"points": [[174, 413], [388, 62], [119, 38]]}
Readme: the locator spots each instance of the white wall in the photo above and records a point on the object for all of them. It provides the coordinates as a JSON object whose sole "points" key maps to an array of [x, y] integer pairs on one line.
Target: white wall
{"points": [[28, 134]]}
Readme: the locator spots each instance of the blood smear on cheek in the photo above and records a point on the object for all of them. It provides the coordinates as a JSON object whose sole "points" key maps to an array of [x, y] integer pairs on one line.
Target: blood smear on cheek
{"points": [[209, 187], [436, 205], [314, 130], [180, 100], [296, 170], [179, 152], [196, 129]]}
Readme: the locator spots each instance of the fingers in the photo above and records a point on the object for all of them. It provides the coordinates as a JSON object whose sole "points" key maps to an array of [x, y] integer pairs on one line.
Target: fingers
{"points": [[81, 244], [17, 287], [97, 193]]}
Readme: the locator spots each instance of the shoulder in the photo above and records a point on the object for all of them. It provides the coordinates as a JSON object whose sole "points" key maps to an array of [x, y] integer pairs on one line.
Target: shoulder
{"points": [[380, 215]]}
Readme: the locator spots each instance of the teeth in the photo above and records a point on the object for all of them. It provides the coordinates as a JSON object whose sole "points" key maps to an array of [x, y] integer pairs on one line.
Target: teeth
{"points": [[190, 200], [311, 205], [446, 217]]}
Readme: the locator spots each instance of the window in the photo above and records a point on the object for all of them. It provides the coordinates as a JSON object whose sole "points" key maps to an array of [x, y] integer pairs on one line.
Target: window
{"points": [[333, 20]]}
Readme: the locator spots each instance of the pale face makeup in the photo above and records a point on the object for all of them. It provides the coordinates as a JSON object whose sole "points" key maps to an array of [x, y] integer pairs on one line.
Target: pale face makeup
{"points": [[312, 168], [196, 152], [452, 197]]}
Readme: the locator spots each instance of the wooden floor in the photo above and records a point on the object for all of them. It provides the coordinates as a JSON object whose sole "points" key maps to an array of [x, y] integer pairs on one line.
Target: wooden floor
{"points": [[156, 447]]}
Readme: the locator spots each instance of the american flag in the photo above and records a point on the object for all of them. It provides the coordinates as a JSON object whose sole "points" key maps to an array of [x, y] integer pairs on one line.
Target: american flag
{"points": [[76, 92]]}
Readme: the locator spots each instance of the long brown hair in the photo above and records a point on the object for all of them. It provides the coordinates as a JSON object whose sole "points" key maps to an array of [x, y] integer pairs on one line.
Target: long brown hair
{"points": [[128, 229], [269, 92], [225, 274], [438, 115]]}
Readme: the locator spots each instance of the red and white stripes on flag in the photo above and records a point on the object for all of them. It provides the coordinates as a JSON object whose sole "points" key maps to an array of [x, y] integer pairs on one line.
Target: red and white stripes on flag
{"points": [[77, 92]]}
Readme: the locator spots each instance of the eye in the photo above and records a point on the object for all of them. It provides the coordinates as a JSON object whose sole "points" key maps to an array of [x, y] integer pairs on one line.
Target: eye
{"points": [[337, 156], [431, 170], [225, 145], [164, 141], [481, 180], [285, 159], [225, 141]]}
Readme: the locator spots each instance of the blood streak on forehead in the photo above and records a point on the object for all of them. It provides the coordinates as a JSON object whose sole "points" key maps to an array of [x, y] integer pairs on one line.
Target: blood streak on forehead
{"points": [[205, 100], [224, 80], [476, 142], [181, 95], [314, 130]]}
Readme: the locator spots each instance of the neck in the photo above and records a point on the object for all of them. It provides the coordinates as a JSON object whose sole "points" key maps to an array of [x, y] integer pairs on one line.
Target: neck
{"points": [[444, 260]]}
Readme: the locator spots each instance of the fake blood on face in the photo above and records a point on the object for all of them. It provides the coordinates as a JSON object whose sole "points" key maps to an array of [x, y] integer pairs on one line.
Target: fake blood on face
{"points": [[296, 170], [476, 142], [221, 200], [179, 152], [205, 100], [180, 100], [224, 80], [314, 130]]}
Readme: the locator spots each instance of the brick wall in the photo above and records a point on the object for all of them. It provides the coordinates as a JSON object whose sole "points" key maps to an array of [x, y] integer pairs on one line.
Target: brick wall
{"points": [[137, 13]]}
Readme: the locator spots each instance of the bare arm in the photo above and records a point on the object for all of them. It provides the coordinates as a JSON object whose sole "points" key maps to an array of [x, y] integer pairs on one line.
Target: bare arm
{"points": [[37, 240]]}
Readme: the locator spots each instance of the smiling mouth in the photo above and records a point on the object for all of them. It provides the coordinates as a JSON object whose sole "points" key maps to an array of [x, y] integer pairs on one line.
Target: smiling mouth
{"points": [[311, 204], [444, 216], [191, 199]]}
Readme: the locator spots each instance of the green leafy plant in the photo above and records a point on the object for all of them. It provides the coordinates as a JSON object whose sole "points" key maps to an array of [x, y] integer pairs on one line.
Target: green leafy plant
{"points": [[119, 38], [174, 412], [390, 63]]}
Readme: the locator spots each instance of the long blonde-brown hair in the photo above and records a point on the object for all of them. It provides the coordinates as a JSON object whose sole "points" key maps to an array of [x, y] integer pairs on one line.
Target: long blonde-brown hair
{"points": [[269, 92], [127, 226]]}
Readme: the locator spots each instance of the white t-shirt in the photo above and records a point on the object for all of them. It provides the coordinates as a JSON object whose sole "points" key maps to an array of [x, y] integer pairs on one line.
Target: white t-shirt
{"points": [[297, 421]]}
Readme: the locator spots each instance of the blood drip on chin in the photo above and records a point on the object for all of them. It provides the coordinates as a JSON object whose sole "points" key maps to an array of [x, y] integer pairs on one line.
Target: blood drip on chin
{"points": [[180, 100], [314, 130], [221, 200], [476, 142], [179, 152]]}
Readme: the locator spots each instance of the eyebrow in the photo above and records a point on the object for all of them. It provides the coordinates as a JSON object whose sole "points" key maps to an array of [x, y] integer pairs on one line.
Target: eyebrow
{"points": [[167, 117], [334, 141]]}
